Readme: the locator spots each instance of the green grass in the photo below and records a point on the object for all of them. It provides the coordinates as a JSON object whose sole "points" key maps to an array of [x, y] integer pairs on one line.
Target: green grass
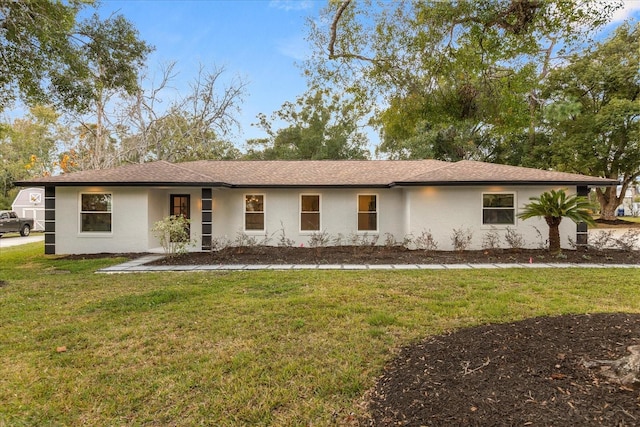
{"points": [[243, 348]]}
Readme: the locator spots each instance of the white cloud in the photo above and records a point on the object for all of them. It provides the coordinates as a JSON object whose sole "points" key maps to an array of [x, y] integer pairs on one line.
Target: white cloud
{"points": [[288, 5], [631, 9], [294, 47]]}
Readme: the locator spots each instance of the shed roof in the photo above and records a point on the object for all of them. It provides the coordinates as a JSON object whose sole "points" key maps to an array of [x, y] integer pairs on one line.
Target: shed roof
{"points": [[317, 173]]}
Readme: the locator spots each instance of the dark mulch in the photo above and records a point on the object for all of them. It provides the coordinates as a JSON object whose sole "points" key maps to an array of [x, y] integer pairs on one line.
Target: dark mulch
{"points": [[393, 255], [528, 373]]}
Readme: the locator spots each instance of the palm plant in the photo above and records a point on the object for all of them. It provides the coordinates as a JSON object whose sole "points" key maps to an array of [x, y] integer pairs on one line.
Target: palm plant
{"points": [[553, 206]]}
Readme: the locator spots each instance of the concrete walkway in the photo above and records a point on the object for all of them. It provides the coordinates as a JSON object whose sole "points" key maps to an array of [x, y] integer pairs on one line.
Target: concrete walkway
{"points": [[15, 239], [138, 266]]}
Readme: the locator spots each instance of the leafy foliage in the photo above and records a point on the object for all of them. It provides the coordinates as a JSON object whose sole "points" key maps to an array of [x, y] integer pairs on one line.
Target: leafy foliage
{"points": [[555, 205], [173, 233], [455, 80], [595, 114], [320, 126]]}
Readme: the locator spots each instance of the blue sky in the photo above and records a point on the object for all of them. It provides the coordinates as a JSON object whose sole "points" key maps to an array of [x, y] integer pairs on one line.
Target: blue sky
{"points": [[259, 41]]}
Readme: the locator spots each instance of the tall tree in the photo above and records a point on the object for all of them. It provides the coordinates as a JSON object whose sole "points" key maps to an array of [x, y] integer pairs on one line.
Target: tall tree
{"points": [[461, 78], [114, 56], [36, 41], [195, 125], [28, 148], [320, 126], [594, 115]]}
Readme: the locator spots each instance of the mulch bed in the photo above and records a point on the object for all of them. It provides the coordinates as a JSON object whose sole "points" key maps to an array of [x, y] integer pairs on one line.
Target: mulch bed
{"points": [[528, 373], [393, 255]]}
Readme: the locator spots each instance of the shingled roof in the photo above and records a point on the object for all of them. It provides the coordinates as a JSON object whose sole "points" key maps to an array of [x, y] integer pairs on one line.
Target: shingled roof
{"points": [[317, 173]]}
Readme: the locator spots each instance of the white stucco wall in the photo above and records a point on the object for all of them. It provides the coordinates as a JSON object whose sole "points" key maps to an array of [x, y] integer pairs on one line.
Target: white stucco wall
{"points": [[440, 210], [338, 213], [128, 223], [158, 208], [402, 212]]}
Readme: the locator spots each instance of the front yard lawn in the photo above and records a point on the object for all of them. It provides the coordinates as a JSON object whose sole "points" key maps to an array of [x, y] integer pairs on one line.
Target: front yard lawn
{"points": [[243, 348]]}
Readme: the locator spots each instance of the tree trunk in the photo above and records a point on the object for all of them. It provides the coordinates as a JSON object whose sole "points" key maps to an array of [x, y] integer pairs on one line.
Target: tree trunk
{"points": [[554, 234], [625, 370], [609, 201]]}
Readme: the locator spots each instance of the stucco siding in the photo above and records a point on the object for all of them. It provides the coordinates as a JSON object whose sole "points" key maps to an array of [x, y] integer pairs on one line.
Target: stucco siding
{"points": [[441, 210], [338, 214], [128, 222]]}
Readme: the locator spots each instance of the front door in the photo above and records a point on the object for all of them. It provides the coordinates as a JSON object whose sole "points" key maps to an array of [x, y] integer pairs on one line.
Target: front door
{"points": [[180, 205]]}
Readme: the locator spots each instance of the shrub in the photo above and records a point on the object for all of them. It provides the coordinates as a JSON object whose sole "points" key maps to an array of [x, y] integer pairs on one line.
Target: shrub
{"points": [[601, 239], [219, 243], [173, 233], [319, 239], [425, 241], [514, 239], [283, 240], [491, 239], [461, 239], [629, 240]]}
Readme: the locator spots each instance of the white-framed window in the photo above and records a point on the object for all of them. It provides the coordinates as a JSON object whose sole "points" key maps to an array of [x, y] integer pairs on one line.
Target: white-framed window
{"points": [[95, 212], [367, 212], [254, 212], [498, 208], [310, 212]]}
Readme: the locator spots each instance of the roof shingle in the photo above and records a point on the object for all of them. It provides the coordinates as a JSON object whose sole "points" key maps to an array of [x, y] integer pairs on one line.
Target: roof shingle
{"points": [[317, 173]]}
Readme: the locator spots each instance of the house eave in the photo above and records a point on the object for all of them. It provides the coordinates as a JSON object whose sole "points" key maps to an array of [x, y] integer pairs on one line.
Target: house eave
{"points": [[505, 182]]}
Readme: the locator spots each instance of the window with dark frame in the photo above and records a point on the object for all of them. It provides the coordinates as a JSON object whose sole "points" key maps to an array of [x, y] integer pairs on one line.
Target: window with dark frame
{"points": [[498, 209], [254, 212], [310, 212], [95, 212], [367, 212]]}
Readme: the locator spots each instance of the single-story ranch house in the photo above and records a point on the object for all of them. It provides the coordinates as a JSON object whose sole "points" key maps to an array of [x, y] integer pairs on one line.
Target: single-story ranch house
{"points": [[114, 210]]}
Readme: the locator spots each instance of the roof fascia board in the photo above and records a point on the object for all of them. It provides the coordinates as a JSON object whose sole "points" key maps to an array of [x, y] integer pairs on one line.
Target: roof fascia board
{"points": [[515, 183]]}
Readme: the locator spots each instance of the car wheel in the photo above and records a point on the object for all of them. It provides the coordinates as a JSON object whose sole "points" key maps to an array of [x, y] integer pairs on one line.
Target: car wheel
{"points": [[25, 230]]}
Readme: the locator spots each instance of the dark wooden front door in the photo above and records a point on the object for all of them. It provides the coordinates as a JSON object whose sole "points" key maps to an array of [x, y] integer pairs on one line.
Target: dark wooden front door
{"points": [[180, 205]]}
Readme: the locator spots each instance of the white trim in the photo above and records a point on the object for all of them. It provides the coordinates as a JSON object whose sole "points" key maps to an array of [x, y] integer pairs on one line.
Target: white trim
{"points": [[300, 212], [80, 212], [244, 212], [514, 208], [377, 212]]}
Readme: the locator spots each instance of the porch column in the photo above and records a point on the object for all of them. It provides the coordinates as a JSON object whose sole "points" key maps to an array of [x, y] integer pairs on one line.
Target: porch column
{"points": [[49, 220], [207, 218], [582, 232]]}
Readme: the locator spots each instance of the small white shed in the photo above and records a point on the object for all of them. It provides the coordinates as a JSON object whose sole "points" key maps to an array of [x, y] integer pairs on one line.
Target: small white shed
{"points": [[29, 203]]}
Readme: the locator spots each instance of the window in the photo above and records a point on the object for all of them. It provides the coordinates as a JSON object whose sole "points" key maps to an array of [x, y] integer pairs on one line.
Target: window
{"points": [[95, 212], [310, 212], [253, 212], [367, 212], [498, 209]]}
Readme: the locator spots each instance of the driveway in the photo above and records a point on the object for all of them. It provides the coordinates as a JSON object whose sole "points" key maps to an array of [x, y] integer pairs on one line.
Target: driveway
{"points": [[16, 239]]}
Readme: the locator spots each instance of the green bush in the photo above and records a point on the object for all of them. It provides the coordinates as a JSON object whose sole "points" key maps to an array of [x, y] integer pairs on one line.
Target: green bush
{"points": [[173, 233]]}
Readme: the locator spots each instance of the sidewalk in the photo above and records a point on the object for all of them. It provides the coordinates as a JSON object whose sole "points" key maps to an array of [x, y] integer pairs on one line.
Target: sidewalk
{"points": [[138, 266]]}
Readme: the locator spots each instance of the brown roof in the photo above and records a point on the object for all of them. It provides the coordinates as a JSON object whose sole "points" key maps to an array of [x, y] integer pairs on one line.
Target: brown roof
{"points": [[317, 173]]}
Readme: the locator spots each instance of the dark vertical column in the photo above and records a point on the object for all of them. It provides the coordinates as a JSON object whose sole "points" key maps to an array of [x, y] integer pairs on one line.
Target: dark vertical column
{"points": [[582, 233], [207, 218], [49, 220]]}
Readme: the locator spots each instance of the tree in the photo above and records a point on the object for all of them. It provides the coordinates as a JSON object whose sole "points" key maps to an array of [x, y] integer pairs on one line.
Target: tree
{"points": [[320, 126], [553, 206], [194, 126], [36, 41], [435, 66], [28, 148], [594, 116], [113, 55]]}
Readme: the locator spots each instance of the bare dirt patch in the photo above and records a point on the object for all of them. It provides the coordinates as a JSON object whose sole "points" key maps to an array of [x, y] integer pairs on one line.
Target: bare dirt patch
{"points": [[528, 373], [270, 255]]}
